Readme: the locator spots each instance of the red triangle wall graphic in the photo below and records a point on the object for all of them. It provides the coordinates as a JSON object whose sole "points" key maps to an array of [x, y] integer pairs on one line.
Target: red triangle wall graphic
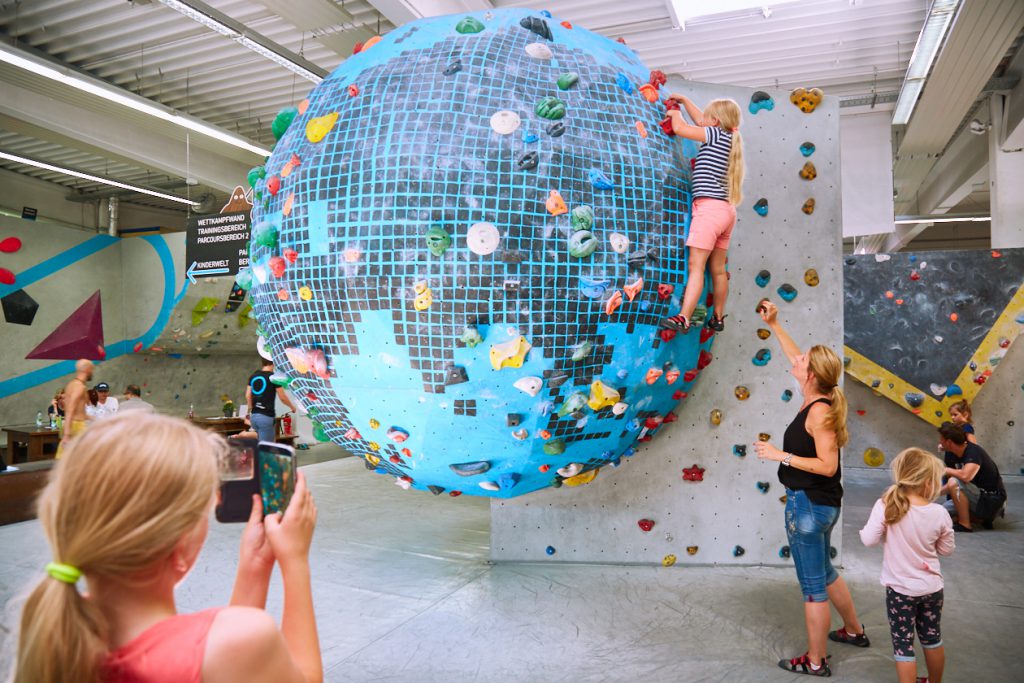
{"points": [[80, 336]]}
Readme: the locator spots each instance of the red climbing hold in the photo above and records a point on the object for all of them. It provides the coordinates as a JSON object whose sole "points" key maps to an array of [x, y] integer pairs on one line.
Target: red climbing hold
{"points": [[79, 336], [657, 78], [455, 494], [310, 396], [679, 395], [10, 245], [695, 473], [277, 266], [666, 126], [995, 254], [671, 105], [357, 48], [653, 422], [862, 413], [273, 185], [645, 438], [353, 90], [914, 275], [6, 277], [705, 334], [665, 291], [544, 468], [667, 335], [704, 359], [566, 24], [352, 433], [137, 347], [291, 255], [406, 452], [646, 524], [690, 375], [671, 417], [395, 459]]}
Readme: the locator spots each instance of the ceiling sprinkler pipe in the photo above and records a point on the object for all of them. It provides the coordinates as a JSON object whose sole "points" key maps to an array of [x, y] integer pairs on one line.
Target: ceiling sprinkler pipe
{"points": [[112, 204]]}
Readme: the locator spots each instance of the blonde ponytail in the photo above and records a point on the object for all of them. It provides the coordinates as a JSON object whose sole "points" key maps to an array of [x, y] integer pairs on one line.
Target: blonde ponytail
{"points": [[913, 471], [728, 114], [827, 368], [836, 417], [126, 491]]}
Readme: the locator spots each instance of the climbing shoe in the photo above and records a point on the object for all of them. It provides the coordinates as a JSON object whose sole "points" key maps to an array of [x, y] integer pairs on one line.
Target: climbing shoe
{"points": [[802, 665], [678, 323], [715, 323], [858, 639]]}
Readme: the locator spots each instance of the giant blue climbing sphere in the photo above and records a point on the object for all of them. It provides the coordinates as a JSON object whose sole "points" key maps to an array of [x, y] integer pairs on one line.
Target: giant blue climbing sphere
{"points": [[462, 245]]}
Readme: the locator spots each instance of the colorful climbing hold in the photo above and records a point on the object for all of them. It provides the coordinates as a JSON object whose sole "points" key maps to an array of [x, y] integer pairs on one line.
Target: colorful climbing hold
{"points": [[424, 298], [808, 171], [581, 351], [539, 51], [529, 385], [760, 100], [438, 240], [762, 278], [593, 288], [695, 473], [318, 128], [787, 395], [668, 560], [536, 25], [741, 392], [483, 238], [653, 374], [469, 469], [874, 457], [633, 289], [622, 81], [471, 337], [763, 486], [582, 218], [619, 242], [568, 80], [510, 354], [574, 402], [646, 524], [761, 207], [806, 100], [787, 292], [282, 121], [763, 333], [582, 478], [649, 92], [614, 301], [602, 396], [692, 549], [716, 417], [738, 551], [599, 180], [469, 25], [811, 278], [550, 108], [550, 550], [808, 206], [505, 122], [555, 204], [913, 399], [665, 291], [807, 149], [762, 357], [582, 243], [784, 552], [739, 450], [764, 436]]}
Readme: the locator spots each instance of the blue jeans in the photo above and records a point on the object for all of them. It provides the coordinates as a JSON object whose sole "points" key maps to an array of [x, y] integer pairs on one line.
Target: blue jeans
{"points": [[264, 426], [809, 530]]}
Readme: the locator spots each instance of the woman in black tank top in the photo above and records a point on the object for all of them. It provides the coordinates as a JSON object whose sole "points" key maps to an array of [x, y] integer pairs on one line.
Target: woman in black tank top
{"points": [[810, 470]]}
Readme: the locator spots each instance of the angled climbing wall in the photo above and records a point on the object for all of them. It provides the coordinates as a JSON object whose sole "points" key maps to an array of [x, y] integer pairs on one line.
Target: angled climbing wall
{"points": [[697, 494]]}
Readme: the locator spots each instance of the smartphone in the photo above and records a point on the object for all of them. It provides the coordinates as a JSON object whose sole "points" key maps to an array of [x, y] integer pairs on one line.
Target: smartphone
{"points": [[239, 480], [276, 463]]}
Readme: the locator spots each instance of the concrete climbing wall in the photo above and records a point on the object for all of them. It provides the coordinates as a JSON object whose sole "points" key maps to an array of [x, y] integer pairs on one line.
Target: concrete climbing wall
{"points": [[703, 522]]}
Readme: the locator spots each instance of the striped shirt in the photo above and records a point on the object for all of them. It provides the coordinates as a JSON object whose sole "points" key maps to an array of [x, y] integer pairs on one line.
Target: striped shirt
{"points": [[709, 172]]}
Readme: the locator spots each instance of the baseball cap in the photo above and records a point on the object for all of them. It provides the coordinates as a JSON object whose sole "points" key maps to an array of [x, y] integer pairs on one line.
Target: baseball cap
{"points": [[102, 386]]}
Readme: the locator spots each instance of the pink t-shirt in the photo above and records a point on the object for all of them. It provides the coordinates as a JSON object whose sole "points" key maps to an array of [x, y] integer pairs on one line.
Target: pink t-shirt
{"points": [[910, 558], [170, 652]]}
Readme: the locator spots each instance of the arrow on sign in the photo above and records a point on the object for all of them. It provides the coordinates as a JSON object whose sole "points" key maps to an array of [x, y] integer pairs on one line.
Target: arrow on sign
{"points": [[192, 272]]}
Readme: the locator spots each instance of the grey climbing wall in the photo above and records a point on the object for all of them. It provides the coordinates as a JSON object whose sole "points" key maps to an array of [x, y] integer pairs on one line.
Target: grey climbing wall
{"points": [[599, 522]]}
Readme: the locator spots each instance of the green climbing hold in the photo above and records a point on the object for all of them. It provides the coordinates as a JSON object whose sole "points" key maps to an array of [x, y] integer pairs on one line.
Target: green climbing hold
{"points": [[700, 314], [281, 122], [471, 337], [582, 244], [582, 218], [256, 173], [550, 108], [319, 434], [469, 25], [245, 315], [438, 240], [568, 80], [574, 402], [582, 350], [264, 234], [205, 305], [555, 447]]}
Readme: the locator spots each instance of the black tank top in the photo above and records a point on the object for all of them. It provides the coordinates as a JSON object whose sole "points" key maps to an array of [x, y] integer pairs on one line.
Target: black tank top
{"points": [[820, 489]]}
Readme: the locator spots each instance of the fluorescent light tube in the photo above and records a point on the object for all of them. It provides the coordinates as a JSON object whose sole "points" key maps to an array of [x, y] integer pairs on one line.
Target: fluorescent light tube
{"points": [[96, 179], [933, 33]]}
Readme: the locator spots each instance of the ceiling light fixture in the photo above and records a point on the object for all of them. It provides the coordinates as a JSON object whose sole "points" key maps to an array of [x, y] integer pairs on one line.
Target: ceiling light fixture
{"points": [[933, 33], [682, 11], [94, 178], [907, 220], [208, 17], [96, 87]]}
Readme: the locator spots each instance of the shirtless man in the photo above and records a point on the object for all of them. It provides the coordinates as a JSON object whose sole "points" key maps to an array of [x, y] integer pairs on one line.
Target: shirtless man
{"points": [[74, 402]]}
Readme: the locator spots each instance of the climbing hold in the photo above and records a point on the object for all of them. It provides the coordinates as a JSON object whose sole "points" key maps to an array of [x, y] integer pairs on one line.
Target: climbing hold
{"points": [[438, 240], [763, 333], [716, 417], [692, 549], [787, 292], [873, 457], [784, 552], [665, 291], [809, 172], [599, 180], [657, 78], [614, 301], [568, 80], [695, 473], [573, 403], [318, 128], [763, 486], [490, 486], [424, 298], [265, 233], [634, 289], [528, 161], [954, 317], [555, 129], [762, 357], [668, 560], [273, 185], [808, 206], [536, 25], [397, 434], [507, 481], [582, 218], [592, 288], [529, 385], [649, 92], [256, 173], [760, 100], [742, 393], [570, 470], [582, 243], [739, 450], [620, 408], [700, 314], [764, 436], [282, 121], [672, 374], [510, 354], [619, 242], [738, 551], [704, 359], [550, 108], [581, 351], [520, 434], [653, 374], [811, 278], [469, 469], [483, 238], [469, 25], [555, 204], [806, 100], [352, 90], [787, 395], [539, 51], [453, 67], [505, 122], [550, 550], [761, 207], [954, 390], [762, 278], [641, 128], [602, 396], [471, 337], [582, 478], [622, 81], [374, 423], [646, 524], [276, 264], [913, 399]]}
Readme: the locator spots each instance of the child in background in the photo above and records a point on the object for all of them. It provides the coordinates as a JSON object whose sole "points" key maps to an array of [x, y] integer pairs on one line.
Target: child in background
{"points": [[915, 532], [960, 415], [717, 189]]}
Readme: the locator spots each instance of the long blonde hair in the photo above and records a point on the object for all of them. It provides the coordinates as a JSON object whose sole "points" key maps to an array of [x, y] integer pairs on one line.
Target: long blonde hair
{"points": [[827, 368], [913, 471], [125, 492], [728, 114]]}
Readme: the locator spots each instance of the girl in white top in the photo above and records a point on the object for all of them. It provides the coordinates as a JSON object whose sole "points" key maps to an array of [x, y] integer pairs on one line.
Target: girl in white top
{"points": [[915, 531]]}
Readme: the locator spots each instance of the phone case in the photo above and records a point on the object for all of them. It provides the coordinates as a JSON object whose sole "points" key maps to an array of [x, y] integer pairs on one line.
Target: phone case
{"points": [[277, 480], [234, 498]]}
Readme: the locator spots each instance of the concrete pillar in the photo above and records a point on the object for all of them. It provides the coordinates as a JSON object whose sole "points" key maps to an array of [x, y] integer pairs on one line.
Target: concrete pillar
{"points": [[1006, 178]]}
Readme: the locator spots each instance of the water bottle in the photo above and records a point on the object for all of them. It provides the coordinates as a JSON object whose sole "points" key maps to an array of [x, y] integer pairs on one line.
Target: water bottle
{"points": [[53, 420], [191, 411], [39, 419]]}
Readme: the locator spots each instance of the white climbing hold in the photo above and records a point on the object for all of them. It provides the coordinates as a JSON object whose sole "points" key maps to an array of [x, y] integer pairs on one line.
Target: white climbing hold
{"points": [[529, 385], [261, 348], [882, 258], [619, 408], [570, 470], [539, 51], [483, 238], [938, 389], [403, 483], [490, 486], [505, 122], [619, 242]]}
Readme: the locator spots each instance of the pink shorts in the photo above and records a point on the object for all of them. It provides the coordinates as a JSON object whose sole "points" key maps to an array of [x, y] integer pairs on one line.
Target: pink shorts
{"points": [[712, 224]]}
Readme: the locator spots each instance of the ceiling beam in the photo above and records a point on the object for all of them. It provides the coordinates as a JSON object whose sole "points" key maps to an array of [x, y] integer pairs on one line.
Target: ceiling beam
{"points": [[400, 12]]}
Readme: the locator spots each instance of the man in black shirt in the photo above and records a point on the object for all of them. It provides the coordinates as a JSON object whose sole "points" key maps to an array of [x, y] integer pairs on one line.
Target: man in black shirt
{"points": [[261, 395], [972, 476]]}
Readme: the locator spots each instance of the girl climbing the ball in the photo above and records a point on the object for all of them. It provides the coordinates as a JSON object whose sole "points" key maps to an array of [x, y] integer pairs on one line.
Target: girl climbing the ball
{"points": [[717, 189], [915, 532], [960, 415]]}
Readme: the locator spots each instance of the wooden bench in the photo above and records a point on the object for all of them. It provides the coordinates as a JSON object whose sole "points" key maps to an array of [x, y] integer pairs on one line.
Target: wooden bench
{"points": [[19, 489]]}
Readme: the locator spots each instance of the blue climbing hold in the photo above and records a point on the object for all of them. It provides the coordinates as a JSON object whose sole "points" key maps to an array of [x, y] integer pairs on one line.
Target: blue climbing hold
{"points": [[599, 180], [738, 551], [760, 100], [762, 278], [784, 552], [762, 357], [550, 550], [633, 425], [507, 481], [954, 390], [763, 486], [529, 137], [913, 399], [740, 450], [547, 14], [622, 81], [787, 292], [629, 452], [468, 469], [593, 288], [807, 149], [761, 207], [787, 395], [622, 373], [645, 305]]}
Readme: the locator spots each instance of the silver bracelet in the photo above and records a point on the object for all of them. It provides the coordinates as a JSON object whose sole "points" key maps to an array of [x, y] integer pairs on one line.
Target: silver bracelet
{"points": [[786, 461]]}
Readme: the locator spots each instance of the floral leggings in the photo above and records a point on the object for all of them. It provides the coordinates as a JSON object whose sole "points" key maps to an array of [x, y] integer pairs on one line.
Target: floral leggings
{"points": [[906, 613]]}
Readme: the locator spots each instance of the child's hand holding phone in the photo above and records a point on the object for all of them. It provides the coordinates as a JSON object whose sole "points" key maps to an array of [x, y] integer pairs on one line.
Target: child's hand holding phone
{"points": [[291, 534]]}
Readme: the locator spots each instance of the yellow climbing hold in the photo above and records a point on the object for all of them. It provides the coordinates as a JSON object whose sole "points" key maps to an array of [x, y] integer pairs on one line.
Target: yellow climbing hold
{"points": [[373, 459], [305, 293], [374, 446], [874, 457], [424, 297], [602, 395], [668, 561], [510, 354], [318, 128], [582, 478], [374, 423]]}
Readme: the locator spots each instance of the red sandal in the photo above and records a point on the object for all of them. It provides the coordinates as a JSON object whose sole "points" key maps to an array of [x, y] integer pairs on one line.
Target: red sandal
{"points": [[802, 665]]}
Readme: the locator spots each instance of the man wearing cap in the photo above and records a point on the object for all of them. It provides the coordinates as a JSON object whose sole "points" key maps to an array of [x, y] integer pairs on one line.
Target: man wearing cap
{"points": [[107, 404]]}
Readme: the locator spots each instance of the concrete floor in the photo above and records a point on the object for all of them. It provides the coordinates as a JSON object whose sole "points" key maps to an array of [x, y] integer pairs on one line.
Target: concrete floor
{"points": [[404, 592]]}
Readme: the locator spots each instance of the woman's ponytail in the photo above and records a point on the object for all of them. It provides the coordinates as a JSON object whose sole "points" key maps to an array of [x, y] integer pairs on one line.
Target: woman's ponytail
{"points": [[63, 636], [836, 417]]}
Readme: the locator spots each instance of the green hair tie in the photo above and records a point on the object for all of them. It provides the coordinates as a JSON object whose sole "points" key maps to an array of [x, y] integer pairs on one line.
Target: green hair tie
{"points": [[63, 572]]}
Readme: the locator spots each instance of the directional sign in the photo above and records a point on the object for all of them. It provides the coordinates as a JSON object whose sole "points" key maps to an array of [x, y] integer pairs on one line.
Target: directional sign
{"points": [[217, 244]]}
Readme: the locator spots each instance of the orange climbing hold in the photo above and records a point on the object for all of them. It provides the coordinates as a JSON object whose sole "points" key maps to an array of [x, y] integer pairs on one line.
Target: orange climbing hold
{"points": [[283, 295], [641, 128], [303, 106], [889, 294], [287, 208], [544, 468], [566, 24], [672, 375], [544, 434], [614, 301], [954, 317], [370, 43], [555, 204], [653, 374], [649, 92], [634, 289], [290, 166]]}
